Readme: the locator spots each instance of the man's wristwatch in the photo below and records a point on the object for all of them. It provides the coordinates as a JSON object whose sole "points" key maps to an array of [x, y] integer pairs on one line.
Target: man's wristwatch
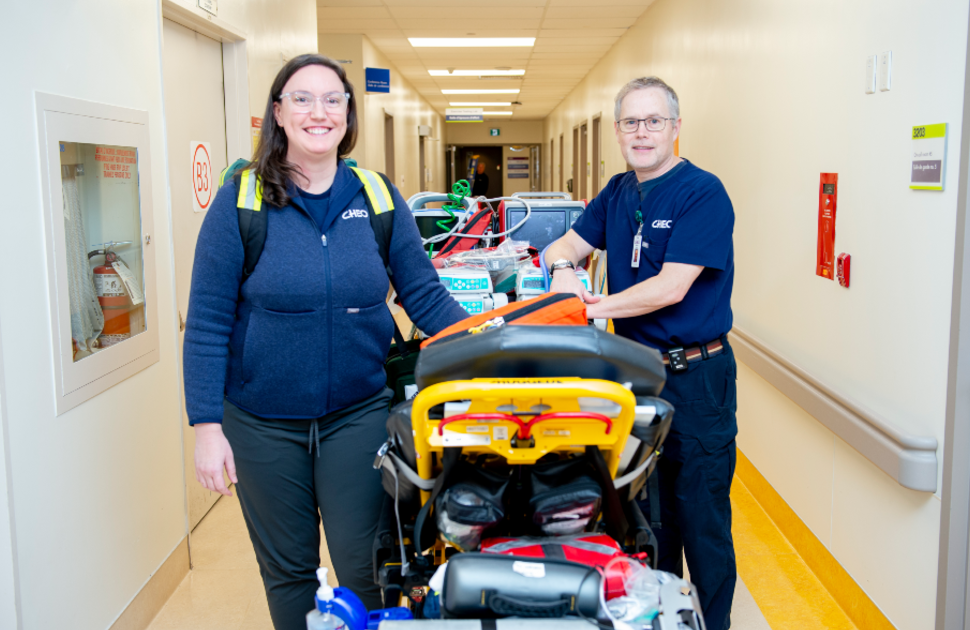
{"points": [[562, 263]]}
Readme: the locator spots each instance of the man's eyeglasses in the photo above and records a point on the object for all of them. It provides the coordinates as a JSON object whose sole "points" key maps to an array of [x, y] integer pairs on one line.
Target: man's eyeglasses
{"points": [[654, 123], [334, 102]]}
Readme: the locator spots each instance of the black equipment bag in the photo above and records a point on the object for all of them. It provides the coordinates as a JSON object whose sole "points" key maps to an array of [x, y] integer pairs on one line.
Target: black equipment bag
{"points": [[472, 501], [489, 586], [564, 496]]}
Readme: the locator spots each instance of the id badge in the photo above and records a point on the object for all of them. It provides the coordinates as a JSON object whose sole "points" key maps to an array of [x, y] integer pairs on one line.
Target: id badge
{"points": [[637, 242]]}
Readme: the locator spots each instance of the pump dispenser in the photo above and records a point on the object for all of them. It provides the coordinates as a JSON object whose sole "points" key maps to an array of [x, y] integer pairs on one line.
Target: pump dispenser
{"points": [[322, 617]]}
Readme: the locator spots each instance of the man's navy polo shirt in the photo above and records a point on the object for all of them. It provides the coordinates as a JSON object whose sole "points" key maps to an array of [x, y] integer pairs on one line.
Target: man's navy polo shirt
{"points": [[687, 218]]}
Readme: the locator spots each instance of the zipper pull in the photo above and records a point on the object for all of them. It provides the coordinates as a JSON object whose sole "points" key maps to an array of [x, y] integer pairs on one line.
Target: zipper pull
{"points": [[323, 237]]}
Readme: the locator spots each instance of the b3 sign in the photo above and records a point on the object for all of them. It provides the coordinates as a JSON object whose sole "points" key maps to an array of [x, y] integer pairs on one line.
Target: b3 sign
{"points": [[203, 182]]}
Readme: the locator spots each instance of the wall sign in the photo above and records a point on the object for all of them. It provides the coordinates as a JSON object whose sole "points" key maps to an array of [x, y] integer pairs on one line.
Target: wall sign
{"points": [[464, 114], [929, 157], [377, 80], [209, 6], [494, 132], [203, 182], [256, 127]]}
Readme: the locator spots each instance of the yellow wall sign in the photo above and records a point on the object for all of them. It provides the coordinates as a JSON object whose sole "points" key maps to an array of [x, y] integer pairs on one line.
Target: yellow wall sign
{"points": [[929, 157]]}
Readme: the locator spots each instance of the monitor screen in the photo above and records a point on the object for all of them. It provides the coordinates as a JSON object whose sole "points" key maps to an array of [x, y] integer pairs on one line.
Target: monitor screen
{"points": [[543, 227]]}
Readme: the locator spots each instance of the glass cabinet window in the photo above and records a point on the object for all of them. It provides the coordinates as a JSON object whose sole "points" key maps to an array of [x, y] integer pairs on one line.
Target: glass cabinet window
{"points": [[105, 260]]}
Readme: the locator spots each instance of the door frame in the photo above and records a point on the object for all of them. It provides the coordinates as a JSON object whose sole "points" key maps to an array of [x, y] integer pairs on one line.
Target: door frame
{"points": [[239, 144], [235, 71]]}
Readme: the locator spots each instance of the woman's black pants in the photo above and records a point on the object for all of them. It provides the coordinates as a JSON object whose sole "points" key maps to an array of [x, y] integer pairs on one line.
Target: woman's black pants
{"points": [[293, 472]]}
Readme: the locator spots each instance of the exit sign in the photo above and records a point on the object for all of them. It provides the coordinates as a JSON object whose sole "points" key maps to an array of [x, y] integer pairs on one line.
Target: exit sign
{"points": [[493, 132]]}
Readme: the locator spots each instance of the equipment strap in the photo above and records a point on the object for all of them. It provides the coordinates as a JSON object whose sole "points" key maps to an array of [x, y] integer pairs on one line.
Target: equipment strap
{"points": [[449, 457], [653, 494], [630, 477], [616, 523]]}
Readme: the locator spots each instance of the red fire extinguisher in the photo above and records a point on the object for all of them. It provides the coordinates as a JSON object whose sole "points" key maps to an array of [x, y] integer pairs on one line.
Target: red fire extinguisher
{"points": [[113, 297]]}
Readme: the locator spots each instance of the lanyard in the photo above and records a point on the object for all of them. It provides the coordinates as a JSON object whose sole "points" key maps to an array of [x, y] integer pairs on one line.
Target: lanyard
{"points": [[637, 241]]}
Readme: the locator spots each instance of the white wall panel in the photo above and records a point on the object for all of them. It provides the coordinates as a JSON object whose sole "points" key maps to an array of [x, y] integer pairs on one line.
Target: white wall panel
{"points": [[803, 476]]}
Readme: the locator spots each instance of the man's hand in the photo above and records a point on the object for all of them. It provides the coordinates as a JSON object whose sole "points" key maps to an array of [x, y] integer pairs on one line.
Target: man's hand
{"points": [[212, 454], [566, 281]]}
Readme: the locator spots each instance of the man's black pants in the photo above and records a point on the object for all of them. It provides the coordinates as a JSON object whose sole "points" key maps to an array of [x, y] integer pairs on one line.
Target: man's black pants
{"points": [[694, 478], [283, 482]]}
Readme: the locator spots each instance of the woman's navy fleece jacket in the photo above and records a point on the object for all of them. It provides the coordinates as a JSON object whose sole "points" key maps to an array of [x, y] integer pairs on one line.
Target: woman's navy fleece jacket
{"points": [[308, 332]]}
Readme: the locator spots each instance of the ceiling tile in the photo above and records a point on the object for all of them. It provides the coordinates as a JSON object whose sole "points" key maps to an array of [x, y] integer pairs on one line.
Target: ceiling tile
{"points": [[332, 13], [587, 3], [476, 12], [578, 34], [358, 25], [591, 22], [349, 3], [591, 10]]}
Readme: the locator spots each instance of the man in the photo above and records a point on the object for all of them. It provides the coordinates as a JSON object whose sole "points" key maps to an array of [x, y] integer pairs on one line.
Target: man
{"points": [[667, 229], [480, 187]]}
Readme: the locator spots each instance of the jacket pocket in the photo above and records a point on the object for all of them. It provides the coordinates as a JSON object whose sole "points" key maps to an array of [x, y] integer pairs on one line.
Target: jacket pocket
{"points": [[361, 337], [285, 363]]}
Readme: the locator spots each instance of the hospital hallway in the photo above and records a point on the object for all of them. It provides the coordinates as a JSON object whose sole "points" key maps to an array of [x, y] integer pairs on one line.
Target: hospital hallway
{"points": [[705, 260]]}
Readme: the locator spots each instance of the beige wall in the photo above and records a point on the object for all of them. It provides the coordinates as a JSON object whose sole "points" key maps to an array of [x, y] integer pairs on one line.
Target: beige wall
{"points": [[96, 495], [404, 103], [511, 132], [769, 100]]}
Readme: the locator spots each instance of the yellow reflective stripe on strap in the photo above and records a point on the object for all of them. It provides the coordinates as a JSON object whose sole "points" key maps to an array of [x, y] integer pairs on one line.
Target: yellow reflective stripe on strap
{"points": [[222, 176], [375, 189], [250, 192]]}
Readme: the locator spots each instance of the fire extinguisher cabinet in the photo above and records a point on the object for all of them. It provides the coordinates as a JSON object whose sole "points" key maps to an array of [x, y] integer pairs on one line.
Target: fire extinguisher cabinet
{"points": [[96, 168]]}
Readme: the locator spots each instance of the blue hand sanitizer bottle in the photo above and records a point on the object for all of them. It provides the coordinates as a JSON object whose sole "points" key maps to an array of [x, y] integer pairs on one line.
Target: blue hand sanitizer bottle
{"points": [[322, 617]]}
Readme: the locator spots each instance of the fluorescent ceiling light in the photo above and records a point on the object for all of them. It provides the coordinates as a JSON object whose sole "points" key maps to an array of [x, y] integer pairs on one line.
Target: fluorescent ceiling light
{"points": [[509, 91], [471, 42], [497, 113], [477, 104], [476, 73]]}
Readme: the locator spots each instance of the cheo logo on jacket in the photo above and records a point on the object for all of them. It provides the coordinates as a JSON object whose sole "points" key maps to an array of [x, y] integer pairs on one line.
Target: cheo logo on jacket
{"points": [[662, 224], [354, 213]]}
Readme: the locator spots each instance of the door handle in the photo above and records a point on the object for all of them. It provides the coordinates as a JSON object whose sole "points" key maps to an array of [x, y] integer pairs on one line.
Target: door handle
{"points": [[181, 323]]}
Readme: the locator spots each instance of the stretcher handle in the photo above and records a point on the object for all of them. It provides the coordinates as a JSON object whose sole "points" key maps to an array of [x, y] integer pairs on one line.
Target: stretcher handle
{"points": [[526, 429], [477, 416]]}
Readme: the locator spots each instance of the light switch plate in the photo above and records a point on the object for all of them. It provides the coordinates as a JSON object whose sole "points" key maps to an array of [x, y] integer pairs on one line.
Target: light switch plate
{"points": [[885, 74], [871, 62]]}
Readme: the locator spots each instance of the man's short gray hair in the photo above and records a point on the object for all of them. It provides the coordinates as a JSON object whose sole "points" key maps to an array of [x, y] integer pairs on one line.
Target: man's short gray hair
{"points": [[673, 103]]}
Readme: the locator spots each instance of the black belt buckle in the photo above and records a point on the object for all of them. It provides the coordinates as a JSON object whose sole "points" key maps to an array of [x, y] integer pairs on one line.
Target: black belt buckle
{"points": [[677, 358]]}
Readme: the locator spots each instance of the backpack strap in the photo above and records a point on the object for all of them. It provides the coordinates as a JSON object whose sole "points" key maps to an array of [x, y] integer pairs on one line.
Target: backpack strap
{"points": [[252, 219]]}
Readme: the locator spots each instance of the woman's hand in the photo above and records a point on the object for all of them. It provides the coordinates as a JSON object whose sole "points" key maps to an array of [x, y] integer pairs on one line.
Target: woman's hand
{"points": [[212, 454]]}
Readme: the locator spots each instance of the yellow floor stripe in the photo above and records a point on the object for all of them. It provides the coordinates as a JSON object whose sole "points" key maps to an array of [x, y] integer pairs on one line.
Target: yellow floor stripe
{"points": [[846, 592], [785, 589]]}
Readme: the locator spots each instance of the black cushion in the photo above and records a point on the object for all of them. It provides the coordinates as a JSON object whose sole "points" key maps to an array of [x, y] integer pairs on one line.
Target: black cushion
{"points": [[543, 351]]}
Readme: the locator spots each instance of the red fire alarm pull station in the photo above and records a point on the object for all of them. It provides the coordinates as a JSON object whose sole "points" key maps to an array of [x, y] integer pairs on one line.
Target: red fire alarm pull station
{"points": [[843, 267], [828, 189]]}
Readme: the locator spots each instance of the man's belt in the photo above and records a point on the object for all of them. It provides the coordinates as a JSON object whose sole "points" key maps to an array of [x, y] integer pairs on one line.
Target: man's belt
{"points": [[678, 358]]}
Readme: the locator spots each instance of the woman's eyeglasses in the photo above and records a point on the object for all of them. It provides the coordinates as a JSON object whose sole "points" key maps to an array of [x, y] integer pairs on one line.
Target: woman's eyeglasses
{"points": [[334, 102]]}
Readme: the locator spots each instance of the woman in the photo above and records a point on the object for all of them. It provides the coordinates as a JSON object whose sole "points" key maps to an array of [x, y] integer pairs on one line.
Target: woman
{"points": [[284, 379]]}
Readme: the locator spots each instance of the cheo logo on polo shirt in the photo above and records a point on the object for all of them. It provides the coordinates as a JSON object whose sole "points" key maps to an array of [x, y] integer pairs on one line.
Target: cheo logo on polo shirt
{"points": [[354, 213], [662, 224]]}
